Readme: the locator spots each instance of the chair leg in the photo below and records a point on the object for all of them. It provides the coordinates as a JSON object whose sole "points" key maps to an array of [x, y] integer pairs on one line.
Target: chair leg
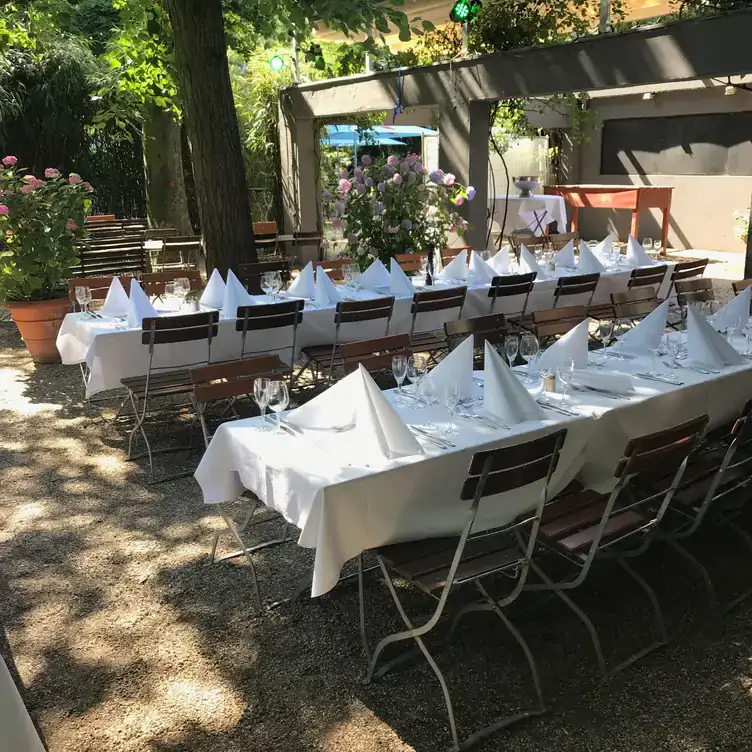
{"points": [[235, 534], [362, 610], [704, 576], [748, 542]]}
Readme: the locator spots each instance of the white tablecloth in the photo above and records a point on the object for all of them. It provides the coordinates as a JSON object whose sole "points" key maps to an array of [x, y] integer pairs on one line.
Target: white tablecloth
{"points": [[557, 211], [344, 507], [113, 353], [17, 732]]}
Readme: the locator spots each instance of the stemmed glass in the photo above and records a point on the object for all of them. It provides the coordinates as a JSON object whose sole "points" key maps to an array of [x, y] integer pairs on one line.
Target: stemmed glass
{"points": [[267, 284], [647, 244], [399, 369], [83, 296], [355, 270], [261, 396], [416, 370], [748, 334], [565, 372], [424, 267], [276, 284], [170, 293], [511, 348], [606, 331], [529, 348], [182, 288], [279, 399], [451, 402]]}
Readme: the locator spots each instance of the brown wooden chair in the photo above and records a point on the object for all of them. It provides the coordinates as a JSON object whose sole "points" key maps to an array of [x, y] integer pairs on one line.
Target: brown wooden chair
{"points": [[135, 224], [694, 291], [491, 328], [741, 286], [250, 274], [333, 268], [449, 254], [555, 322], [634, 304], [306, 240], [650, 276], [154, 282], [685, 270], [105, 229], [99, 286], [160, 233], [265, 236], [117, 256], [324, 359], [410, 262], [516, 285], [375, 355], [433, 342], [582, 285], [532, 242], [558, 240], [95, 219], [186, 249], [286, 315]]}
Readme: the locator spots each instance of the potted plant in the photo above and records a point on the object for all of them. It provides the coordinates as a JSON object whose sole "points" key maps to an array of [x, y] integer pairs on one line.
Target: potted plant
{"points": [[41, 222], [392, 206]]}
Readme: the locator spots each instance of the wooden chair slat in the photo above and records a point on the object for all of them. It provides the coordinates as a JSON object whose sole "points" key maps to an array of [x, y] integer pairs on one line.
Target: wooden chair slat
{"points": [[273, 316], [483, 329]]}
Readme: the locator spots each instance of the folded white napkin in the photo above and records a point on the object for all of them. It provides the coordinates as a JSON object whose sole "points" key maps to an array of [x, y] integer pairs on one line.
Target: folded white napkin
{"points": [[116, 303], [573, 345], [214, 293], [235, 295], [637, 255], [375, 276], [565, 257], [705, 345], [616, 383], [304, 286], [528, 263], [326, 290], [480, 273], [139, 307], [456, 368], [399, 283], [589, 264], [456, 269], [736, 312], [377, 430], [646, 336], [604, 249], [500, 261], [503, 395]]}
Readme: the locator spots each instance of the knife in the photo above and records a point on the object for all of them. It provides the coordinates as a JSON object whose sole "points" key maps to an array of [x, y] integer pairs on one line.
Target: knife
{"points": [[602, 392], [557, 409], [648, 377], [441, 443]]}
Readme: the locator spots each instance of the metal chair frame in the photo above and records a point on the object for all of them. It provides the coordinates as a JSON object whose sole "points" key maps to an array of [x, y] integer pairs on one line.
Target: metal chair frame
{"points": [[430, 301], [509, 287], [579, 285], [374, 355], [650, 276]]}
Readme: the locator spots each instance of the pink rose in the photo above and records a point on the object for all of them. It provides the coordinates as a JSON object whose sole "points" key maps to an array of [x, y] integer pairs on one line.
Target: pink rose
{"points": [[421, 188], [345, 186], [4, 211], [397, 179], [74, 178], [30, 178], [459, 201], [449, 179], [452, 228], [51, 172], [393, 161], [366, 160], [9, 161], [337, 223], [89, 187], [71, 225], [392, 230]]}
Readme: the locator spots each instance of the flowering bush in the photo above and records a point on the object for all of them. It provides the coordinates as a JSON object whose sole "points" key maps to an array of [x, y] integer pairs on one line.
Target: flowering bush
{"points": [[741, 230], [394, 205], [41, 221]]}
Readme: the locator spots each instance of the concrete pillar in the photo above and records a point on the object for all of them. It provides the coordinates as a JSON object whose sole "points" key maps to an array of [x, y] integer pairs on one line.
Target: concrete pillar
{"points": [[463, 150]]}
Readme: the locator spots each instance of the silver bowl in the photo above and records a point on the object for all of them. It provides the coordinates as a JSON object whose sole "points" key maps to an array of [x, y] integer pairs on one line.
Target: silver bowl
{"points": [[526, 185]]}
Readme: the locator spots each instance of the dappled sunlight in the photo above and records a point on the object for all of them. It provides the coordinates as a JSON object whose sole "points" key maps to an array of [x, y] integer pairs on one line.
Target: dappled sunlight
{"points": [[13, 394]]}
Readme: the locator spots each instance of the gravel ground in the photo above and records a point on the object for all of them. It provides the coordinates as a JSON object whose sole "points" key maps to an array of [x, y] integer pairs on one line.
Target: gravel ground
{"points": [[124, 641]]}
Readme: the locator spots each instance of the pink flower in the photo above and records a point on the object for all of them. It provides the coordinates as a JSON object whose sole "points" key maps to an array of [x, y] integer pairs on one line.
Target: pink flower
{"points": [[392, 230], [71, 225], [405, 167], [358, 173], [337, 223], [9, 161], [345, 186], [51, 172], [28, 188], [452, 228], [74, 178], [449, 179], [366, 160], [412, 158], [397, 179], [421, 188], [89, 187], [343, 174], [393, 161], [459, 201], [30, 178], [4, 211]]}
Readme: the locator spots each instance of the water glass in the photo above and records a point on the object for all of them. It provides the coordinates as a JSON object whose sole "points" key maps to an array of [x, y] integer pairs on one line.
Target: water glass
{"points": [[276, 284], [83, 296], [399, 369], [416, 370], [267, 284], [647, 244], [565, 374], [170, 294], [182, 288], [511, 348], [485, 255], [606, 331], [279, 399], [529, 349], [451, 397], [655, 352], [748, 334], [261, 396], [424, 266]]}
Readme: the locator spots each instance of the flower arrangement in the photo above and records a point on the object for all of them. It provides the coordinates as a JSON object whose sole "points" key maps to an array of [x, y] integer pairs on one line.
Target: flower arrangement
{"points": [[41, 220], [393, 205], [741, 229]]}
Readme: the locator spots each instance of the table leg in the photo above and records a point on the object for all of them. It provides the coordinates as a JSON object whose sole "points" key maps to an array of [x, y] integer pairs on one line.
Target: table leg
{"points": [[575, 218], [664, 228], [634, 231]]}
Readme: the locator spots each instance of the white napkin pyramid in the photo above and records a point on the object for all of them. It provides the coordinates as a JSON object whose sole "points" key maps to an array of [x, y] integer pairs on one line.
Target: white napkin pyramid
{"points": [[735, 312], [304, 286], [139, 307], [574, 345], [399, 283], [565, 257], [214, 292], [326, 290], [377, 430], [646, 336], [235, 295], [456, 269], [604, 249], [528, 263], [589, 264], [375, 276], [705, 345], [616, 383], [637, 255], [456, 368], [503, 395], [480, 272], [116, 303], [500, 261]]}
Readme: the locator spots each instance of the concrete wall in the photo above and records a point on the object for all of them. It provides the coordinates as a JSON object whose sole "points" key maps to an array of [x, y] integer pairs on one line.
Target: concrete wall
{"points": [[702, 206]]}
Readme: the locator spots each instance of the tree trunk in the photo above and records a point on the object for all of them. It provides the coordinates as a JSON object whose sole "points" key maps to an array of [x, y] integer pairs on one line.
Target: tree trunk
{"points": [[163, 167], [204, 79]]}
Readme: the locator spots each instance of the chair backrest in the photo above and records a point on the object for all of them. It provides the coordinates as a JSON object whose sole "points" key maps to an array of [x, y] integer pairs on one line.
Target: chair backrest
{"points": [[559, 240], [356, 311], [333, 268], [582, 284], [483, 329], [250, 274], [122, 255], [553, 322], [135, 223], [168, 330], [99, 286], [257, 318], [306, 239], [160, 233], [635, 303], [93, 219], [110, 228], [154, 282], [265, 238], [741, 286], [688, 270], [410, 262], [650, 276], [234, 378], [429, 301], [512, 286], [449, 254], [531, 242], [694, 291], [264, 229], [374, 354]]}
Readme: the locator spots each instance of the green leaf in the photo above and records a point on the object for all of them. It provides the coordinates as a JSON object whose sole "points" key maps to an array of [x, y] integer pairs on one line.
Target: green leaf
{"points": [[428, 26], [382, 25], [404, 35]]}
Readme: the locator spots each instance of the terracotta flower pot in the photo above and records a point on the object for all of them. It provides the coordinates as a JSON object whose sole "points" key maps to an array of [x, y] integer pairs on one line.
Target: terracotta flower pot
{"points": [[39, 322]]}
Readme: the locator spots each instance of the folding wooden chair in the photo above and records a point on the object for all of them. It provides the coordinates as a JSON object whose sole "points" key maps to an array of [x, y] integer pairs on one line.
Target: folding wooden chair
{"points": [[115, 255], [685, 270], [555, 322], [187, 248], [558, 240], [741, 286], [449, 254], [375, 355], [410, 262], [586, 526], [264, 318], [306, 240], [491, 328], [433, 341], [694, 291], [333, 268], [154, 282], [325, 358], [634, 304], [265, 235], [166, 381], [99, 286], [160, 233], [650, 276], [581, 285], [512, 287], [250, 274], [438, 567]]}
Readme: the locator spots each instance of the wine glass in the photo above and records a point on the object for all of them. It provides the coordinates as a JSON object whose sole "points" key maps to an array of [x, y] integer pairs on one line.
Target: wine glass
{"points": [[647, 244], [416, 370], [565, 373], [347, 275], [399, 369], [83, 296], [529, 348], [356, 276], [276, 284], [606, 331], [170, 292], [267, 284], [485, 255], [511, 348], [182, 288], [261, 396], [451, 395], [279, 399], [424, 266]]}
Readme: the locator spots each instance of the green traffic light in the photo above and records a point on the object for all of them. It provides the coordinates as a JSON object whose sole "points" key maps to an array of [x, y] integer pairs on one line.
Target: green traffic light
{"points": [[460, 11], [277, 63]]}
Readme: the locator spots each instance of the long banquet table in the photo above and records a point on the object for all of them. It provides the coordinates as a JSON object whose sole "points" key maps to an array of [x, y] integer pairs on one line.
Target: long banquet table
{"points": [[345, 505], [113, 352]]}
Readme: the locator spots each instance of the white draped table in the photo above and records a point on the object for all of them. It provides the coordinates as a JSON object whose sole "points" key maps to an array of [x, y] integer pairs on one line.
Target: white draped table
{"points": [[113, 352], [518, 207], [344, 506]]}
